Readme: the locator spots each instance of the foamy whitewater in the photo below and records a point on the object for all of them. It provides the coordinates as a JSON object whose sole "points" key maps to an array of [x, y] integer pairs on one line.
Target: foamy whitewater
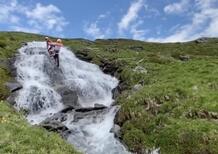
{"points": [[35, 71]]}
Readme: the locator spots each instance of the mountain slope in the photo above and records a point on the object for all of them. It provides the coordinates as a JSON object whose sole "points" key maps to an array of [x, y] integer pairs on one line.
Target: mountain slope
{"points": [[168, 92]]}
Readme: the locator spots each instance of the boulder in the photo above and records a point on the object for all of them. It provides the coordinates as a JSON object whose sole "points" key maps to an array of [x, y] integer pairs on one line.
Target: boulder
{"points": [[69, 97], [11, 67], [54, 123], [13, 86], [99, 106], [54, 126], [12, 98], [116, 130]]}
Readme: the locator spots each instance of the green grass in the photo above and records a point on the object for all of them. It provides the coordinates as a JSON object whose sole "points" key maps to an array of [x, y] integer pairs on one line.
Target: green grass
{"points": [[167, 111], [17, 136], [172, 87]]}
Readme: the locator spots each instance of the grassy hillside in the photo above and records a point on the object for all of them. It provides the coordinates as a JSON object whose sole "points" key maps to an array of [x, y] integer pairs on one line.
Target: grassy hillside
{"points": [[170, 98], [169, 91], [17, 136]]}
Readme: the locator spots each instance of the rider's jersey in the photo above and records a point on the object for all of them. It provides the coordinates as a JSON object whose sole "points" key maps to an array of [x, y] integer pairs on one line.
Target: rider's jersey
{"points": [[56, 47]]}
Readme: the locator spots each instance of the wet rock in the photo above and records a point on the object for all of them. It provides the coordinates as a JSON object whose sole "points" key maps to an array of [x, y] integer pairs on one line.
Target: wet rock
{"points": [[54, 126], [140, 69], [96, 108], [24, 43], [12, 69], [116, 130], [60, 117], [99, 106], [69, 97], [53, 72], [14, 86], [54, 123], [12, 98], [116, 92]]}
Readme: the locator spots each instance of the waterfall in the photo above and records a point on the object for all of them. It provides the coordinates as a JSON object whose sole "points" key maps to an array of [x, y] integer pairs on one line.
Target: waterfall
{"points": [[37, 72]]}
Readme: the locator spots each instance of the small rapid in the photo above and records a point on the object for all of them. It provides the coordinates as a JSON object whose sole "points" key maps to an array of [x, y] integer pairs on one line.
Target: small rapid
{"points": [[40, 99]]}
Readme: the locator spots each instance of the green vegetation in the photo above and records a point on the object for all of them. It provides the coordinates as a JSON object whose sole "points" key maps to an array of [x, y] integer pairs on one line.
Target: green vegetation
{"points": [[170, 98], [176, 106], [17, 136]]}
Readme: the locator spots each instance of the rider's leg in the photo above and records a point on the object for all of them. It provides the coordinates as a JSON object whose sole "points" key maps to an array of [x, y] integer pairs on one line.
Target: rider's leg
{"points": [[56, 57], [57, 60]]}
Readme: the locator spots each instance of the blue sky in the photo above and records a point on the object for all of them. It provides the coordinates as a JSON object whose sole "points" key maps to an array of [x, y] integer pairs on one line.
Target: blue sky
{"points": [[148, 20]]}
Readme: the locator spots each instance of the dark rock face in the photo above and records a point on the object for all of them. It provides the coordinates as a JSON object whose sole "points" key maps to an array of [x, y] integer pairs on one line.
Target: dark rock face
{"points": [[55, 122], [12, 98], [83, 55], [69, 97], [108, 67], [13, 86], [116, 130], [113, 69], [8, 64]]}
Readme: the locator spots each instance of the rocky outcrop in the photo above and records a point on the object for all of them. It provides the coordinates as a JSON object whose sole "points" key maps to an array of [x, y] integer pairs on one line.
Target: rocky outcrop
{"points": [[83, 55], [69, 97], [116, 130], [13, 87], [12, 98], [55, 122]]}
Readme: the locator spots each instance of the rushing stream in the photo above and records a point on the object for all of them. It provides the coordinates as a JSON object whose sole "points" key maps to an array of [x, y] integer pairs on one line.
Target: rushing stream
{"points": [[39, 97]]}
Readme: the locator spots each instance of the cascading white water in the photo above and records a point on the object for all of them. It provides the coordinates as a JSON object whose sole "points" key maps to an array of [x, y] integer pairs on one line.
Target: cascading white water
{"points": [[87, 79], [40, 99]]}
